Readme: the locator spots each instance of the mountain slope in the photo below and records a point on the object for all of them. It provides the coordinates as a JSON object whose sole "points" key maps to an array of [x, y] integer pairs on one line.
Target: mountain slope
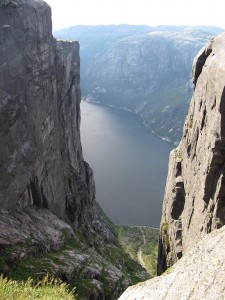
{"points": [[192, 233], [140, 68], [198, 275]]}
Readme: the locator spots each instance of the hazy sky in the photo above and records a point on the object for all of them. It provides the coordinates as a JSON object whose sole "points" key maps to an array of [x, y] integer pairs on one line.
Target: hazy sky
{"points": [[158, 12]]}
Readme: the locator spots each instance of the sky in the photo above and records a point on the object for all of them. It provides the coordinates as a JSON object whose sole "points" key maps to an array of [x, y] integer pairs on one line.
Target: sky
{"points": [[66, 13]]}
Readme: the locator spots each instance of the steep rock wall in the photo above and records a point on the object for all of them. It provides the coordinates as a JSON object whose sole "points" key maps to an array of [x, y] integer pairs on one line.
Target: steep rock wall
{"points": [[41, 160], [194, 201], [49, 219]]}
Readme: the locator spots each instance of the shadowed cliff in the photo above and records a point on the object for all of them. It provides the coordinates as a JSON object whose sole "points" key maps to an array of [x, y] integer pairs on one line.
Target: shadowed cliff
{"points": [[49, 219]]}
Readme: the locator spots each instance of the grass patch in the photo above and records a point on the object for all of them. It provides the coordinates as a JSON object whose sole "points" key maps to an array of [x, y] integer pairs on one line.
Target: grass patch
{"points": [[191, 122], [131, 239], [35, 264], [165, 227], [46, 289], [37, 267], [178, 155], [84, 287], [168, 270], [166, 238]]}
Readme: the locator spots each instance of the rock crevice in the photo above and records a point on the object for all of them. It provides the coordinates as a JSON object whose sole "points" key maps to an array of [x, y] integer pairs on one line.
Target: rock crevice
{"points": [[194, 196]]}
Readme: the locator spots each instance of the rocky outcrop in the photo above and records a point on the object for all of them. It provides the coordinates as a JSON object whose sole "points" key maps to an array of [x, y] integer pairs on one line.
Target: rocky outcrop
{"points": [[41, 161], [142, 69], [198, 275], [35, 242], [49, 219], [194, 202]]}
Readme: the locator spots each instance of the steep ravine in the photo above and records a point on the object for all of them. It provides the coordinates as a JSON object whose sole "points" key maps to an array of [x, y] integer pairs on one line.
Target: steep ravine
{"points": [[49, 219], [192, 232]]}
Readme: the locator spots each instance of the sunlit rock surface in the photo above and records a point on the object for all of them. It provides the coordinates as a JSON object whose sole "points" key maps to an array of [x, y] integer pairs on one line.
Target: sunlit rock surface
{"points": [[194, 197], [200, 274]]}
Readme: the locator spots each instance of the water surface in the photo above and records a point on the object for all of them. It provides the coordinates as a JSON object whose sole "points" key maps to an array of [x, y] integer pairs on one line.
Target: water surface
{"points": [[129, 163]]}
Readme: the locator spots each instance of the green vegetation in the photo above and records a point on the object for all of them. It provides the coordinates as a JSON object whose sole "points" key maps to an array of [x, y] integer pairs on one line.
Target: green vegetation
{"points": [[132, 238], [191, 122], [165, 227], [35, 267], [166, 238], [108, 263], [168, 270], [84, 287], [178, 155], [46, 289]]}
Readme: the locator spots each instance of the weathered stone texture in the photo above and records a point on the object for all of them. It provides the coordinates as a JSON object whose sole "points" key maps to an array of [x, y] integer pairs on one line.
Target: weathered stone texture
{"points": [[194, 201], [36, 240], [49, 219], [200, 274], [41, 159]]}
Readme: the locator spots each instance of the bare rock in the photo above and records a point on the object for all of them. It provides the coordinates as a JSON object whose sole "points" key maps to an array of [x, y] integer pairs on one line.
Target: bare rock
{"points": [[41, 159], [49, 219], [200, 274], [194, 197]]}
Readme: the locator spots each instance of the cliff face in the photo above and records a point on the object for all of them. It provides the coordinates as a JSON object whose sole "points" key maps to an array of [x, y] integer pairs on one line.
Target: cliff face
{"points": [[194, 206], [142, 69], [41, 158], [49, 219], [194, 202]]}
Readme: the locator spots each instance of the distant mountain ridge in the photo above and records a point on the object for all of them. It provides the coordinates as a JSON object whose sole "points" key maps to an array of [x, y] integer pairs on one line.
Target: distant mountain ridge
{"points": [[141, 68]]}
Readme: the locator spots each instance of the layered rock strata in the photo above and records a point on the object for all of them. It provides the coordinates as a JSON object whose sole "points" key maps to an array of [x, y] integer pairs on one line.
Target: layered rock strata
{"points": [[194, 201]]}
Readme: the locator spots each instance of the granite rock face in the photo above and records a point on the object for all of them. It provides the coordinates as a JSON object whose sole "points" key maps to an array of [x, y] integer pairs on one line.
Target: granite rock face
{"points": [[50, 221], [41, 161], [194, 201], [198, 275]]}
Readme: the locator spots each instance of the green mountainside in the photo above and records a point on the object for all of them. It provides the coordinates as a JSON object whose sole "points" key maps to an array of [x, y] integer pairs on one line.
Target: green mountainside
{"points": [[141, 243], [140, 68]]}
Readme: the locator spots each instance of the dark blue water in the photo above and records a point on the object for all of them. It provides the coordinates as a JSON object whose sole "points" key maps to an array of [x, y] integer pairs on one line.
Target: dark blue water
{"points": [[129, 163]]}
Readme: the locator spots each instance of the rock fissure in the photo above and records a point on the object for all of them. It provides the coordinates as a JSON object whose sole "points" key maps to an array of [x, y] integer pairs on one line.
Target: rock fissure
{"points": [[194, 198]]}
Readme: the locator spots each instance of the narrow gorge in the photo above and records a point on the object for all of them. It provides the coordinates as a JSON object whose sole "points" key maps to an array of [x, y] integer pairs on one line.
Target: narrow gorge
{"points": [[50, 220]]}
